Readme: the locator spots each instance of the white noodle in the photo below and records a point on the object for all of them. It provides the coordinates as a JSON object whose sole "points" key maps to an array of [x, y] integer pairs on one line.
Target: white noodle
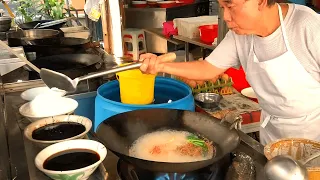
{"points": [[169, 140]]}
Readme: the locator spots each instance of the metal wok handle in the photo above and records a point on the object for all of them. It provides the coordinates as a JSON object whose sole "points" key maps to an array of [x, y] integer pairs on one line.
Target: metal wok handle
{"points": [[165, 58], [132, 173], [234, 118], [115, 70]]}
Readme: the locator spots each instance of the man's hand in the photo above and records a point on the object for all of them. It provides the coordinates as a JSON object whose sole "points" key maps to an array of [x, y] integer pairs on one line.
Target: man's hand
{"points": [[152, 64]]}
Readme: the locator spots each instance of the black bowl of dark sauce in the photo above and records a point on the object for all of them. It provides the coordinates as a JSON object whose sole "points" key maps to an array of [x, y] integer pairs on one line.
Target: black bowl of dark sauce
{"points": [[51, 130], [58, 131], [71, 159]]}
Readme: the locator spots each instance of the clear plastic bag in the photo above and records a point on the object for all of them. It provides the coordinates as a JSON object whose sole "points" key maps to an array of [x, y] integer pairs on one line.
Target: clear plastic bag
{"points": [[93, 10]]}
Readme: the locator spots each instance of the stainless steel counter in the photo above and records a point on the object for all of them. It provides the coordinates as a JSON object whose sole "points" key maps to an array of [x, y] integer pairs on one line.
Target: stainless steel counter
{"points": [[5, 171], [21, 151], [17, 155]]}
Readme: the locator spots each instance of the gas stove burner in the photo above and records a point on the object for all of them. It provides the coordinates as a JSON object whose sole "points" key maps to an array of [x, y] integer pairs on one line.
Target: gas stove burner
{"points": [[176, 176], [216, 171]]}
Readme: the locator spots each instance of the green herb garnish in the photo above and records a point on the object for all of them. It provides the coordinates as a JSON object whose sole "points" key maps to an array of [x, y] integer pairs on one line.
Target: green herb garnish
{"points": [[195, 140]]}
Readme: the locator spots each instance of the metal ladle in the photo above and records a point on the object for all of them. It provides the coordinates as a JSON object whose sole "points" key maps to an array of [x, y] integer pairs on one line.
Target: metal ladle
{"points": [[284, 167], [61, 81]]}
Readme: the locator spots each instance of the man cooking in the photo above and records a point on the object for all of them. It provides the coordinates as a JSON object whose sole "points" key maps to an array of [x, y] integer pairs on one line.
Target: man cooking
{"points": [[278, 46]]}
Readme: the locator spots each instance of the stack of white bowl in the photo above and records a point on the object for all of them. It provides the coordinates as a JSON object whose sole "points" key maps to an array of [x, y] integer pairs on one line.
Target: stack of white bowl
{"points": [[48, 106], [45, 102]]}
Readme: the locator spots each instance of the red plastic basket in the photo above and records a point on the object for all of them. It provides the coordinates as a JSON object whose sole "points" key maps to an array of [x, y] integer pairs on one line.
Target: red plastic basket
{"points": [[208, 33]]}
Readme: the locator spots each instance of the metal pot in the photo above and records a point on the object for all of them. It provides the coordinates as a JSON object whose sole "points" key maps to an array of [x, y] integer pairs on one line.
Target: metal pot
{"points": [[5, 23]]}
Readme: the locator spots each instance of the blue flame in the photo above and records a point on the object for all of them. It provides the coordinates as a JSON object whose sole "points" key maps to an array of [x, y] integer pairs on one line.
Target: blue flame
{"points": [[174, 176]]}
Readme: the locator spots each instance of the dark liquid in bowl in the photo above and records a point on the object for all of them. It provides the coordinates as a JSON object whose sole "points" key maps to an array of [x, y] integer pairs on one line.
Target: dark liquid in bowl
{"points": [[71, 159], [58, 131]]}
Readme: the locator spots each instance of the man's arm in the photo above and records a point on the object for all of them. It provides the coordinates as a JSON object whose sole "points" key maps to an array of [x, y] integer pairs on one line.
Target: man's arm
{"points": [[195, 70], [222, 58]]}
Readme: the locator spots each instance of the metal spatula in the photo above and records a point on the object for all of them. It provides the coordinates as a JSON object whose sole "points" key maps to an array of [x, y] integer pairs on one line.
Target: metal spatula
{"points": [[61, 81]]}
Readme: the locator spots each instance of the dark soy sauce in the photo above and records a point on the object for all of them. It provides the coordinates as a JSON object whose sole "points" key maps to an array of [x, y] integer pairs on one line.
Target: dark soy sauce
{"points": [[71, 159], [58, 131]]}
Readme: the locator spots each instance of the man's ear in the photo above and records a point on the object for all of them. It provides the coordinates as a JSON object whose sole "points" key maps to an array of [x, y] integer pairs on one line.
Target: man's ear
{"points": [[262, 4]]}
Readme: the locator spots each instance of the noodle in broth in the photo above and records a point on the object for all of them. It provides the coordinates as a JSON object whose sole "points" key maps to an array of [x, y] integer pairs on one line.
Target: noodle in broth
{"points": [[171, 146]]}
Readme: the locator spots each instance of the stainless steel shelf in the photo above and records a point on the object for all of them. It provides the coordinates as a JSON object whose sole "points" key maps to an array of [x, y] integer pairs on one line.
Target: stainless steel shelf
{"points": [[197, 42]]}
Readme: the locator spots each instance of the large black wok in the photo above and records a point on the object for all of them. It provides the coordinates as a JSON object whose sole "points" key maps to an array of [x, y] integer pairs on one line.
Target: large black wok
{"points": [[118, 132], [72, 65], [55, 42], [55, 46]]}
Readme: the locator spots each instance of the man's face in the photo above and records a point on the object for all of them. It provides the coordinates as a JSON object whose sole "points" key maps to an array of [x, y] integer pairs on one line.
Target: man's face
{"points": [[241, 16]]}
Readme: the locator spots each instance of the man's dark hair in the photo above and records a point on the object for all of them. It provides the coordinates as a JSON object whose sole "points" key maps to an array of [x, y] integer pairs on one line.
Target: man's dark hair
{"points": [[271, 2]]}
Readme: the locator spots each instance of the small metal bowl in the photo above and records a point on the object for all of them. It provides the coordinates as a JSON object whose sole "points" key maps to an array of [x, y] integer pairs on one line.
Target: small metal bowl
{"points": [[208, 100]]}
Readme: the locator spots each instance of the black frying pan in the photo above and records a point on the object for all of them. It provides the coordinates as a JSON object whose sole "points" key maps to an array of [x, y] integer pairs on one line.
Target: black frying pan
{"points": [[32, 24], [118, 132], [16, 38]]}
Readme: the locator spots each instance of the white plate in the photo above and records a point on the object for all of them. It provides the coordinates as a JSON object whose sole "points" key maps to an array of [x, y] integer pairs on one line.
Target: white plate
{"points": [[30, 94], [248, 92]]}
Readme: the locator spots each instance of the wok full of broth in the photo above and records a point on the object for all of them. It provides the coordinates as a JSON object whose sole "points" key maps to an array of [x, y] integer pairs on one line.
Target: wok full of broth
{"points": [[167, 140], [172, 146]]}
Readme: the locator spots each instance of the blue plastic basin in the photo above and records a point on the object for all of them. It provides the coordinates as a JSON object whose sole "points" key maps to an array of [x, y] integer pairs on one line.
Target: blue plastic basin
{"points": [[107, 102]]}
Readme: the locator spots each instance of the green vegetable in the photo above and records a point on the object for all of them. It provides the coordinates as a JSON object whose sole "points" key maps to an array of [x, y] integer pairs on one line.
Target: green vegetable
{"points": [[195, 140], [31, 8]]}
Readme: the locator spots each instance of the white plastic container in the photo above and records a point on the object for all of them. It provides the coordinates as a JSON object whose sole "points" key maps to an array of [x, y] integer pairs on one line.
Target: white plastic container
{"points": [[188, 27]]}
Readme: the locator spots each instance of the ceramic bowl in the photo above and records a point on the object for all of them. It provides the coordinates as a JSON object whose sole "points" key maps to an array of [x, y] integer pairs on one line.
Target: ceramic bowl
{"points": [[77, 174], [67, 106], [51, 120], [249, 92], [30, 94]]}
